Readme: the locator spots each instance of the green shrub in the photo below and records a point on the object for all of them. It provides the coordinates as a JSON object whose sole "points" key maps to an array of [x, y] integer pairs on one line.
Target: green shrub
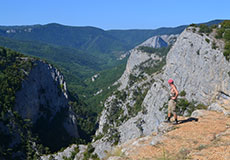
{"points": [[224, 32], [182, 93], [207, 40], [98, 136], [193, 25], [88, 154], [122, 95], [132, 79], [214, 46], [158, 51], [227, 55], [205, 29], [227, 35], [214, 26], [201, 106], [194, 30], [219, 33], [225, 24], [115, 137], [106, 128], [138, 97]]}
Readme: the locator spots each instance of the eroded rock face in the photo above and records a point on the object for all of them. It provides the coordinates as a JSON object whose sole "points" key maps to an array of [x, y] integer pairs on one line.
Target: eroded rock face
{"points": [[197, 68], [135, 59], [160, 41], [129, 123], [78, 151], [193, 63], [44, 97]]}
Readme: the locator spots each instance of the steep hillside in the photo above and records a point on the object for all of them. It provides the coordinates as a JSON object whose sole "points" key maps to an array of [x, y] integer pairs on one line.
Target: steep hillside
{"points": [[197, 64], [34, 107], [56, 54], [43, 98], [123, 116], [73, 63]]}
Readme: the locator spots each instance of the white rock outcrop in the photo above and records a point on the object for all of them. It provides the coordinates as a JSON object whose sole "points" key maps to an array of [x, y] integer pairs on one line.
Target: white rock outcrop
{"points": [[160, 41]]}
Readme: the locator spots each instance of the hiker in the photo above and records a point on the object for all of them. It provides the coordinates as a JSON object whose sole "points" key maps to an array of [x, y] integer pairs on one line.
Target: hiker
{"points": [[172, 101]]}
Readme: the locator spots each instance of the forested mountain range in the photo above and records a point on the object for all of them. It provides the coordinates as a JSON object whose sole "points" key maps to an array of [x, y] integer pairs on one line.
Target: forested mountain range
{"points": [[91, 39], [80, 52]]}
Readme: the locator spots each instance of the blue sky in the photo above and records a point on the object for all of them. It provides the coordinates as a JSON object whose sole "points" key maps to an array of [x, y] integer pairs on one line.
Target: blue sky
{"points": [[113, 14]]}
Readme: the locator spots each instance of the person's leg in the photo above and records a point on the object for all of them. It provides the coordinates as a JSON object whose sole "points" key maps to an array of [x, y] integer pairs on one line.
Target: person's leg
{"points": [[175, 117], [174, 111], [169, 115], [169, 110]]}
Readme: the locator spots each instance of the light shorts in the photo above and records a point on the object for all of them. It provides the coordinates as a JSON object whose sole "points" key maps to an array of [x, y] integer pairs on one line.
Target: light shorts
{"points": [[172, 106]]}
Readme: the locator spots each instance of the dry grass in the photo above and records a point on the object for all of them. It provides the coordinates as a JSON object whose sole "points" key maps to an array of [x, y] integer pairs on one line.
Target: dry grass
{"points": [[209, 138]]}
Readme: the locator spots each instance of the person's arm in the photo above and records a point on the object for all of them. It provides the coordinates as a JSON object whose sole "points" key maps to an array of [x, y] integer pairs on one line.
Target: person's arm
{"points": [[176, 92]]}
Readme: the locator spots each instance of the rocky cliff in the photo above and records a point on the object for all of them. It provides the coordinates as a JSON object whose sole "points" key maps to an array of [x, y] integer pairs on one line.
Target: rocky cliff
{"points": [[198, 67], [138, 57], [35, 110], [43, 95], [160, 41], [43, 100]]}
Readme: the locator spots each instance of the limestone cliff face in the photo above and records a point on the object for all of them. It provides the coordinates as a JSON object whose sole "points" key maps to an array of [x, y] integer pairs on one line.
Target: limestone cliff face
{"points": [[196, 66], [43, 96], [137, 57], [125, 115], [160, 41]]}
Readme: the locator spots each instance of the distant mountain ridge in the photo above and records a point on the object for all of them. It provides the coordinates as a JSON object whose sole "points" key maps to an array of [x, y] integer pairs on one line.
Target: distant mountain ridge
{"points": [[88, 38], [85, 38]]}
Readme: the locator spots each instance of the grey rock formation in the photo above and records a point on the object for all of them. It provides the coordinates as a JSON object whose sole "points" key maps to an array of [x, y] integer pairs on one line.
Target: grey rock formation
{"points": [[44, 94], [222, 103], [67, 153], [215, 107], [115, 158], [197, 68], [136, 58], [160, 41], [101, 146], [198, 113], [136, 124]]}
